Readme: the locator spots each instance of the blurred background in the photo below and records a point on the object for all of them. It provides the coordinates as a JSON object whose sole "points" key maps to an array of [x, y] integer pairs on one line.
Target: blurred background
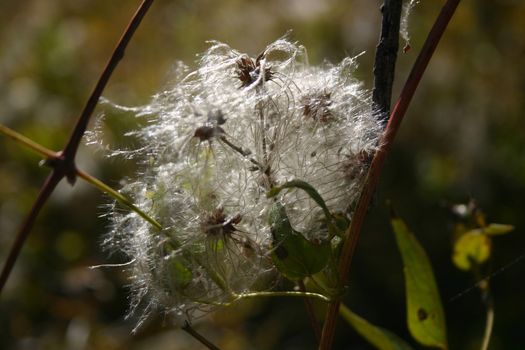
{"points": [[463, 138]]}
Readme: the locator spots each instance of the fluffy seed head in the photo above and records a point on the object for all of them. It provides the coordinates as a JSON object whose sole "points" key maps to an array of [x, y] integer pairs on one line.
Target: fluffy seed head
{"points": [[214, 143]]}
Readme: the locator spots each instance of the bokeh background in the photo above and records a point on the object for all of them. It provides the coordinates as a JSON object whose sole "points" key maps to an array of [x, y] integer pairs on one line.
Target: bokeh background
{"points": [[463, 138]]}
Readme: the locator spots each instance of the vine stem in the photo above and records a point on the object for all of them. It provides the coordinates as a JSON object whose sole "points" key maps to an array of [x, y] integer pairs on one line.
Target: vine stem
{"points": [[311, 313], [27, 142], [82, 174], [63, 162], [47, 188], [117, 196], [385, 58], [488, 302], [191, 331], [256, 295], [489, 323], [292, 294], [376, 166], [118, 53]]}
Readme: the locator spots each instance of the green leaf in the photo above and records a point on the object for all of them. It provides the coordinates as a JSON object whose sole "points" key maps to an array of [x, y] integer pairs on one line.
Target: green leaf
{"points": [[309, 189], [293, 255], [425, 316], [472, 248], [497, 229], [179, 275], [341, 223], [381, 338]]}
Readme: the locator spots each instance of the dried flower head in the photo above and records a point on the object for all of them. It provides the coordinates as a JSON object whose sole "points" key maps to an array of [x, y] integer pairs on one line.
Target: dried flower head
{"points": [[212, 150], [249, 70], [217, 224], [317, 106]]}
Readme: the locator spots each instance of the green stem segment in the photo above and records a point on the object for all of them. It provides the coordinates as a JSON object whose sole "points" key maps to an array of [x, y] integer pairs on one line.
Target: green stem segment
{"points": [[27, 142], [489, 323], [21, 139], [237, 297], [486, 298], [117, 196], [284, 294]]}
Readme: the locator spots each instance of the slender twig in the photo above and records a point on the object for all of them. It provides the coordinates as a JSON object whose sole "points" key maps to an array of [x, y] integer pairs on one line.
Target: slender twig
{"points": [[27, 142], [311, 313], [191, 331], [385, 59], [292, 294], [389, 134], [489, 322], [243, 152], [488, 302], [72, 146], [256, 295], [236, 148], [118, 196], [46, 190], [63, 163], [82, 174]]}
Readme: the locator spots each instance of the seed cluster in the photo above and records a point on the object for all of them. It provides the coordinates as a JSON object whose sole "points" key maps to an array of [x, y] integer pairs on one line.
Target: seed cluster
{"points": [[249, 70], [213, 145]]}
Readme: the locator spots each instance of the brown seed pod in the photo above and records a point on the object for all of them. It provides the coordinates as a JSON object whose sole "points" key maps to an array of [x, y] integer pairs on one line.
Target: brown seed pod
{"points": [[206, 133], [249, 71], [218, 225], [317, 107]]}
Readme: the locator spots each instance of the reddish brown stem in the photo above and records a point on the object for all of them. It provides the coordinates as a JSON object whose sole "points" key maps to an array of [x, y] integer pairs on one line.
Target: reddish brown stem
{"points": [[63, 163], [45, 192], [311, 313], [394, 122], [191, 331], [72, 146]]}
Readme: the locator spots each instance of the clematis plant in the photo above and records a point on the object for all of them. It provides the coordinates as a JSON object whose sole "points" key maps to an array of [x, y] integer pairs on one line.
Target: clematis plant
{"points": [[251, 165], [250, 171]]}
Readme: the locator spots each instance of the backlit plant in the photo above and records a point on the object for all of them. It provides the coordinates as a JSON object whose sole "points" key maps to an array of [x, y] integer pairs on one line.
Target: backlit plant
{"points": [[258, 169], [218, 148]]}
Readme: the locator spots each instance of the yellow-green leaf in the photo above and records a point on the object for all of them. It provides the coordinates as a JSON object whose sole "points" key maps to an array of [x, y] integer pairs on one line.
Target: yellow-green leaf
{"points": [[471, 248], [380, 338], [425, 316], [497, 229]]}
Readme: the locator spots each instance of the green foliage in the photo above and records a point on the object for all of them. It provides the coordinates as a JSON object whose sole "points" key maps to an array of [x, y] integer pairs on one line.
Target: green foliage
{"points": [[379, 337], [479, 54], [312, 192], [180, 275], [472, 248], [293, 255], [425, 315], [497, 229], [473, 243], [426, 319]]}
